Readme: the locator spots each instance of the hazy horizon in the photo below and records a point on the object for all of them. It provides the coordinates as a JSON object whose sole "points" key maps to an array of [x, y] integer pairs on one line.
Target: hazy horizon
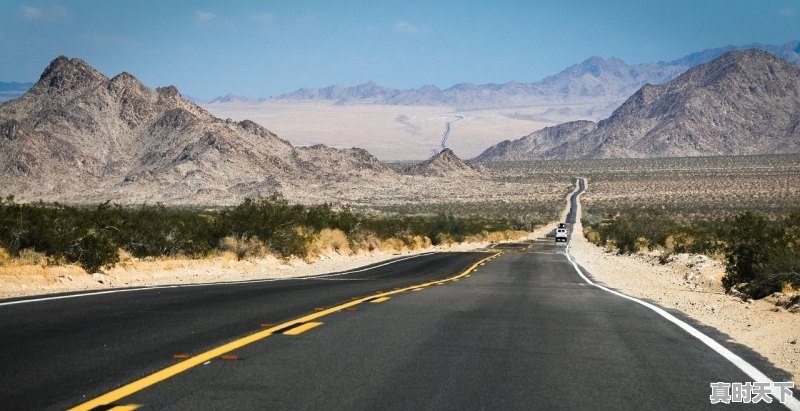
{"points": [[262, 49]]}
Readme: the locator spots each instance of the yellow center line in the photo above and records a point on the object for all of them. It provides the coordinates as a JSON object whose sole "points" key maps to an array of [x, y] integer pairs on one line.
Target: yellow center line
{"points": [[379, 300], [129, 407], [171, 371], [301, 329]]}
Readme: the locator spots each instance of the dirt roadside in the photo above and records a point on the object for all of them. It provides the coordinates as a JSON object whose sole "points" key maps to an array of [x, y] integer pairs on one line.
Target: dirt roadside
{"points": [[691, 284], [32, 280]]}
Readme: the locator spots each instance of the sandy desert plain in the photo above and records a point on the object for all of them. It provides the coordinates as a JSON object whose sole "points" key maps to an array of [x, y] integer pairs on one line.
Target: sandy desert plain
{"points": [[398, 132]]}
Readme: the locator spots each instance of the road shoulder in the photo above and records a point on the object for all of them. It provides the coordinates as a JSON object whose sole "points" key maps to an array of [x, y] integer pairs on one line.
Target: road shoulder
{"points": [[775, 335]]}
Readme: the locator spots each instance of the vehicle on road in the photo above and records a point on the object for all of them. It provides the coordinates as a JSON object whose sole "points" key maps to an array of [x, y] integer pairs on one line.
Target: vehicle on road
{"points": [[561, 234]]}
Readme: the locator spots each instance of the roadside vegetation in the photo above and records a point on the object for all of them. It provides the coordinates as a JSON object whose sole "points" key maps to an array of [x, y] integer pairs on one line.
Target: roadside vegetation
{"points": [[762, 255], [740, 210], [99, 236]]}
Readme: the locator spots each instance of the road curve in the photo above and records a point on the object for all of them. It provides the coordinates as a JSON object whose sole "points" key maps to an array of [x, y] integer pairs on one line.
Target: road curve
{"points": [[521, 330], [63, 351]]}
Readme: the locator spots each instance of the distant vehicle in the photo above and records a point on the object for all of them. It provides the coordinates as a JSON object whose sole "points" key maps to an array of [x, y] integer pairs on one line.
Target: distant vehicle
{"points": [[562, 225], [561, 234]]}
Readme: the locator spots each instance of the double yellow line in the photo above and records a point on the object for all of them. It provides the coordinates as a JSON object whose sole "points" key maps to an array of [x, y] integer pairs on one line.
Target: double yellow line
{"points": [[191, 362]]}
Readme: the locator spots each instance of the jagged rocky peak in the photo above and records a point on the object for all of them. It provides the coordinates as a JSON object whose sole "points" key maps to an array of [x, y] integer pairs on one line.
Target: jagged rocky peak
{"points": [[756, 67], [444, 164], [81, 137], [170, 91], [125, 84], [126, 79], [69, 74], [744, 102]]}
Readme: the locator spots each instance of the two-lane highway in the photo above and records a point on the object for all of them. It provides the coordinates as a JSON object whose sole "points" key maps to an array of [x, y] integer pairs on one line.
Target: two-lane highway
{"points": [[524, 331], [520, 329], [59, 352]]}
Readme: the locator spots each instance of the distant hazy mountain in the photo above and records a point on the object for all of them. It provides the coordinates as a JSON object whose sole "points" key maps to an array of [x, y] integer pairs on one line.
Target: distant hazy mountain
{"points": [[231, 98], [79, 136], [743, 102], [13, 90], [596, 78], [366, 91]]}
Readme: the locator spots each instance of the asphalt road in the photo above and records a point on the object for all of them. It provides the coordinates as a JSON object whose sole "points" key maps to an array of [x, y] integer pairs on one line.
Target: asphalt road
{"points": [[523, 330], [57, 353]]}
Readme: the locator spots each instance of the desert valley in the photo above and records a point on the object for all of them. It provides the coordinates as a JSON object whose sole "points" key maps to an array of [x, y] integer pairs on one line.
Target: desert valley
{"points": [[677, 183]]}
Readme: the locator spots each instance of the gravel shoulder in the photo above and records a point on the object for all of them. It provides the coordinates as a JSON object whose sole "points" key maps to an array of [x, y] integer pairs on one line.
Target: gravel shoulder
{"points": [[691, 284]]}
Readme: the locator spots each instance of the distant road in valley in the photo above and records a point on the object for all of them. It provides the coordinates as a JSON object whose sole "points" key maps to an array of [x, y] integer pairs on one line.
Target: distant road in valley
{"points": [[446, 135]]}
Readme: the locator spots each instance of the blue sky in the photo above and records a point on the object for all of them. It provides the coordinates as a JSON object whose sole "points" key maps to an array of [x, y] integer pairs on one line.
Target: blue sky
{"points": [[263, 48]]}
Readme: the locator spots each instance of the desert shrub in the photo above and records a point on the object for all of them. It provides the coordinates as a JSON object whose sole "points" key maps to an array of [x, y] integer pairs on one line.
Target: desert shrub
{"points": [[443, 239], [329, 240], [761, 254], [93, 251], [96, 236], [29, 256], [5, 257], [393, 244], [273, 220], [243, 248]]}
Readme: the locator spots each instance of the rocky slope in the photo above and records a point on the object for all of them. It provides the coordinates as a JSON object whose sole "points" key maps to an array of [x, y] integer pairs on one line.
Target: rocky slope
{"points": [[744, 102], [79, 136], [540, 143], [444, 164]]}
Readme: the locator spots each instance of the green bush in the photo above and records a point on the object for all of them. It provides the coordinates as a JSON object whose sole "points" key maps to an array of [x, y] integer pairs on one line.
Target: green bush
{"points": [[760, 253], [93, 236]]}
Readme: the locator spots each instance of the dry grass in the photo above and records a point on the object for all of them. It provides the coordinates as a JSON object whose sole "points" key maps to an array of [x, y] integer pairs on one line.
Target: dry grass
{"points": [[329, 241], [5, 257], [243, 248]]}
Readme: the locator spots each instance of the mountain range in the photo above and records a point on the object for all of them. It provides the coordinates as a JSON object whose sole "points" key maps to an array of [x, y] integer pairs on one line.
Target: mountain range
{"points": [[78, 136], [743, 102], [12, 90], [596, 78]]}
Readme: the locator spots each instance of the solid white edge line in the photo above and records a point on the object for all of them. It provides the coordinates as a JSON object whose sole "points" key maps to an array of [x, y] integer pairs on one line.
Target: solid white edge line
{"points": [[160, 287], [792, 402]]}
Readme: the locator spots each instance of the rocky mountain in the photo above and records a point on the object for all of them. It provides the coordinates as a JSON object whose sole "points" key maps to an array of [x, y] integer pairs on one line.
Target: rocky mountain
{"points": [[366, 91], [596, 78], [79, 136], [444, 164], [538, 144], [231, 98], [12, 90], [744, 102]]}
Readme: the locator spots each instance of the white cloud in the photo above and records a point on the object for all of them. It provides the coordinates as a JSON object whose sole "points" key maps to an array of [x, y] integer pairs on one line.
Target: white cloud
{"points": [[405, 27], [49, 13], [264, 19], [204, 17], [788, 12]]}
